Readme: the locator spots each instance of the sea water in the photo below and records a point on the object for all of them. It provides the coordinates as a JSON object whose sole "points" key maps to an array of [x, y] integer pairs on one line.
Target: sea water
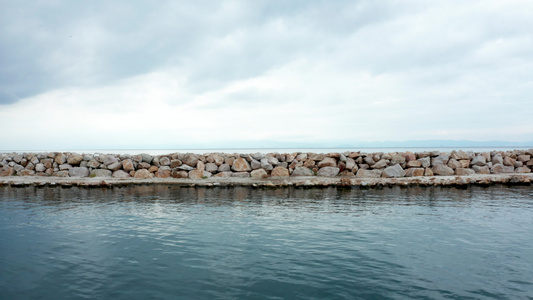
{"points": [[165, 242]]}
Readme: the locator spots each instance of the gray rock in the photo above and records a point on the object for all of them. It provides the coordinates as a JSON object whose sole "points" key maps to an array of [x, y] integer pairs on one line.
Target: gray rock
{"points": [[185, 168], [65, 167], [328, 171], [327, 162], [211, 167], [382, 163], [441, 159], [147, 158], [266, 165], [442, 170], [393, 171], [464, 172], [365, 173], [302, 171], [259, 174], [481, 169], [425, 161], [190, 159], [40, 167], [224, 168], [164, 161], [497, 159], [255, 164], [93, 163], [479, 160], [101, 173], [114, 166], [110, 159], [121, 174], [78, 172]]}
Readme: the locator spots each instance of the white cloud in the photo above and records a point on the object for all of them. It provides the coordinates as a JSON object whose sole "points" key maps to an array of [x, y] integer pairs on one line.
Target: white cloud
{"points": [[358, 72]]}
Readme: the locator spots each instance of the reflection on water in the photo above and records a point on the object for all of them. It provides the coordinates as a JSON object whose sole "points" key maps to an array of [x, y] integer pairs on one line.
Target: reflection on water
{"points": [[169, 242]]}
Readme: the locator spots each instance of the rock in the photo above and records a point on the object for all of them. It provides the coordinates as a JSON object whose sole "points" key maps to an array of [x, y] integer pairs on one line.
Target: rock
{"points": [[442, 170], [240, 174], [64, 167], [40, 167], [100, 173], [464, 163], [382, 163], [328, 171], [143, 174], [425, 161], [241, 165], [255, 164], [211, 167], [114, 166], [60, 174], [185, 168], [393, 171], [327, 162], [224, 174], [369, 160], [397, 159], [309, 163], [409, 156], [428, 172], [163, 172], [7, 171], [523, 169], [464, 172], [441, 159], [200, 166], [26, 172], [190, 160], [60, 158], [147, 158], [454, 164], [74, 160], [350, 163], [346, 173], [78, 172], [414, 164], [120, 174], [47, 163], [414, 172], [110, 159], [196, 174], [459, 155], [153, 169], [508, 161], [93, 164], [302, 171], [479, 160], [175, 163], [179, 174], [497, 159], [279, 172], [259, 174], [224, 168], [524, 158], [127, 165], [365, 173], [481, 169]]}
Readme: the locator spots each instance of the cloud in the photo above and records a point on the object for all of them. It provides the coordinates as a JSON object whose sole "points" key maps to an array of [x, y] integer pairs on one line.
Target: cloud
{"points": [[131, 74]]}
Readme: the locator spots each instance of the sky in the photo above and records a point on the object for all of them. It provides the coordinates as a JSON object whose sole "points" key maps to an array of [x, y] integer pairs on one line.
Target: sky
{"points": [[177, 74]]}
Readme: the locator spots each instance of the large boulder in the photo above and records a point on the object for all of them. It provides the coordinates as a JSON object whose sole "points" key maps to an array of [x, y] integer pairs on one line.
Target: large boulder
{"points": [[127, 165], [100, 173], [114, 166], [78, 172], [327, 162], [143, 174], [110, 159], [74, 159], [302, 171], [259, 174], [393, 171], [163, 172], [279, 172], [382, 163], [479, 160], [442, 170], [328, 171], [241, 165], [120, 174], [365, 173]]}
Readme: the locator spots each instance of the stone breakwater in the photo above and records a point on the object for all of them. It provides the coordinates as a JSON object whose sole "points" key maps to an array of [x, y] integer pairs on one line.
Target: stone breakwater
{"points": [[357, 165]]}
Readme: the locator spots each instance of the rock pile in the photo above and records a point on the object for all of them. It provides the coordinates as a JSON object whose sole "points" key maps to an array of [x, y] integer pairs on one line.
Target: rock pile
{"points": [[259, 165]]}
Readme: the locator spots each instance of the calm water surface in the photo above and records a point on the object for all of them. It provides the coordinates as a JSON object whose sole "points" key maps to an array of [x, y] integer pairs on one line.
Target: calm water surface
{"points": [[159, 242]]}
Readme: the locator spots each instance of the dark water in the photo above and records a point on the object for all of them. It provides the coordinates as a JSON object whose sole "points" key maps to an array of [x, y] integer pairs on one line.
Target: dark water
{"points": [[240, 243]]}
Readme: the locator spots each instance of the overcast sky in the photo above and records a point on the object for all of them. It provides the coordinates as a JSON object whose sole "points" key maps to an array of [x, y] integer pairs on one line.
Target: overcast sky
{"points": [[149, 74]]}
